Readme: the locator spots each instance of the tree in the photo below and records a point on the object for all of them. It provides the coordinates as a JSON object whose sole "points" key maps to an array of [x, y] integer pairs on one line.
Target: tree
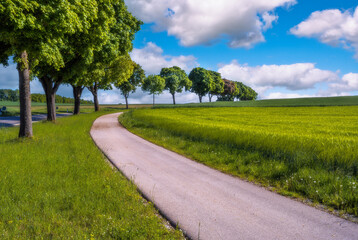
{"points": [[230, 91], [33, 32], [202, 82], [133, 82], [246, 93], [153, 84], [217, 85], [175, 80]]}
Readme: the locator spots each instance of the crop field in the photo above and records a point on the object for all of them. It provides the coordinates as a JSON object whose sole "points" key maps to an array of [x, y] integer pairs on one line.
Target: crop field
{"points": [[309, 152], [294, 102], [58, 185]]}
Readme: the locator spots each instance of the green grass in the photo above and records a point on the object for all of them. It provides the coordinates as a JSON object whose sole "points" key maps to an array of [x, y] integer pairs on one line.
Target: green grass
{"points": [[309, 152], [59, 186], [13, 108], [294, 102]]}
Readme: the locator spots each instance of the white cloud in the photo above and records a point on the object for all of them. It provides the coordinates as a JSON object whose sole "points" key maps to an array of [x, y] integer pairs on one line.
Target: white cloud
{"points": [[280, 95], [9, 78], [299, 76], [152, 60], [349, 83], [196, 22], [331, 27]]}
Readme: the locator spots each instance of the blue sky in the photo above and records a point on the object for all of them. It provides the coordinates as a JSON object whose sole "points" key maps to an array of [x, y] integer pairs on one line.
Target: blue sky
{"points": [[282, 48]]}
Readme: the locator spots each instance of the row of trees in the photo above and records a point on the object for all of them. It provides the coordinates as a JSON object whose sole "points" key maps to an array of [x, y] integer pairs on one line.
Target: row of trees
{"points": [[200, 81], [9, 95], [41, 98], [85, 43]]}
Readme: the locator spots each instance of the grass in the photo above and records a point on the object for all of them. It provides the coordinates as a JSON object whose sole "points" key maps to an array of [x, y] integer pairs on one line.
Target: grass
{"points": [[13, 108], [309, 152], [59, 186], [294, 102]]}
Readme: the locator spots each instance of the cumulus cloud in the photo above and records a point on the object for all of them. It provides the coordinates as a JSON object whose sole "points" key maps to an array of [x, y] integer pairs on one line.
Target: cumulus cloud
{"points": [[152, 59], [349, 83], [332, 27], [299, 76], [196, 22]]}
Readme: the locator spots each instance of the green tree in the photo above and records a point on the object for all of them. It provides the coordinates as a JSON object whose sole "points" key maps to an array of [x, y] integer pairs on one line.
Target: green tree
{"points": [[230, 91], [175, 80], [154, 84], [133, 82], [217, 86], [245, 93], [109, 64], [33, 32], [202, 82]]}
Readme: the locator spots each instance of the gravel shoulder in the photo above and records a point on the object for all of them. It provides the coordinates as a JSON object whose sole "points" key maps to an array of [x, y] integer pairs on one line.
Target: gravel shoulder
{"points": [[206, 203]]}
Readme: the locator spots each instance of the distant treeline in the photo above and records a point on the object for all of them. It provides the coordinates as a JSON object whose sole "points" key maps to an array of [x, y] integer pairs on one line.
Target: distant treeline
{"points": [[13, 96]]}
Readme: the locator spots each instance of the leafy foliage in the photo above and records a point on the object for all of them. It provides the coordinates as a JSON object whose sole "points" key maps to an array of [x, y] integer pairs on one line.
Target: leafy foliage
{"points": [[153, 84], [218, 84], [202, 81], [175, 79], [9, 95], [41, 98], [230, 91], [133, 82], [245, 92]]}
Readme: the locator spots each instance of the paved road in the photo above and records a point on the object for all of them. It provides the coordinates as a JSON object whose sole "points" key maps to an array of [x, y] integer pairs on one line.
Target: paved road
{"points": [[206, 203], [15, 121]]}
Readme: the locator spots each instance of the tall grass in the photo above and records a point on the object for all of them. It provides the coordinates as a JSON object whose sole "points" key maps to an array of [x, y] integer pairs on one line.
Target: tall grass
{"points": [[310, 151], [59, 186]]}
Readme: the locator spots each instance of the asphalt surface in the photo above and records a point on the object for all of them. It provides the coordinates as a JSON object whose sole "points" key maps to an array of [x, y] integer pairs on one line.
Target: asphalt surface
{"points": [[15, 121], [207, 204]]}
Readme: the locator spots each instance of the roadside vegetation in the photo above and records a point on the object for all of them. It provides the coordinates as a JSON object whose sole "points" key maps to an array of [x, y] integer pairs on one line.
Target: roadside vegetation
{"points": [[309, 152], [57, 186]]}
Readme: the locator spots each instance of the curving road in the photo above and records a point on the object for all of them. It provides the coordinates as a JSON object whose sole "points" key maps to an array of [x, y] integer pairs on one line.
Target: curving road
{"points": [[206, 203]]}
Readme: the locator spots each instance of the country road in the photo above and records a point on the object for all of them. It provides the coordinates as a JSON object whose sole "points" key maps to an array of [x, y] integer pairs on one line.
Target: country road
{"points": [[14, 121], [207, 204]]}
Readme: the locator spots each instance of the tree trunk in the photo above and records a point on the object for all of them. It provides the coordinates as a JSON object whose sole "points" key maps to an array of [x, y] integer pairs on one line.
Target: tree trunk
{"points": [[25, 97], [210, 96], [77, 92], [50, 89], [173, 98], [126, 97], [153, 99], [200, 98], [94, 91]]}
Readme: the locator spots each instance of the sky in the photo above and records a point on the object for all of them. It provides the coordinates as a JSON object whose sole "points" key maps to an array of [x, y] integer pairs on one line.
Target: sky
{"points": [[281, 48]]}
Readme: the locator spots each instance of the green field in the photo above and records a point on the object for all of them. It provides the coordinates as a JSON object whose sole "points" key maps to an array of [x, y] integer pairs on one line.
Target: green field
{"points": [[13, 108], [58, 185], [309, 152], [296, 102]]}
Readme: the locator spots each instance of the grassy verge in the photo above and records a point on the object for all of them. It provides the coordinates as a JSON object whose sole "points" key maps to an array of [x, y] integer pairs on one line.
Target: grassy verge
{"points": [[59, 186], [13, 108], [301, 152]]}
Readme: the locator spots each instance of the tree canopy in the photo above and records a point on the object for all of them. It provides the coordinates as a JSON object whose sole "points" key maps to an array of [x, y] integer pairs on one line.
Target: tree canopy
{"points": [[153, 84], [202, 82], [217, 86], [175, 80], [230, 91], [246, 93], [133, 82]]}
